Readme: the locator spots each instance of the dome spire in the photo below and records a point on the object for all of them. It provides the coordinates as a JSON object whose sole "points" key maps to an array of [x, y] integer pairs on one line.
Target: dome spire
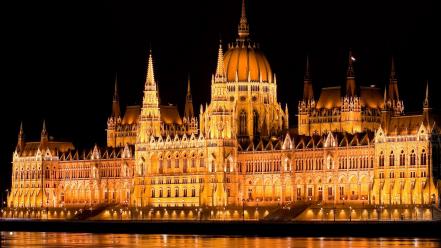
{"points": [[244, 28]]}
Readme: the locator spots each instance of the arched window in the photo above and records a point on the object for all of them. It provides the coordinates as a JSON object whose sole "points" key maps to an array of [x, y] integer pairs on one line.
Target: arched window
{"points": [[402, 158], [169, 162], [193, 192], [177, 162], [160, 192], [161, 169], [153, 193], [243, 123], [423, 157], [381, 160], [391, 159], [255, 122], [412, 158], [227, 167], [185, 165], [176, 192]]}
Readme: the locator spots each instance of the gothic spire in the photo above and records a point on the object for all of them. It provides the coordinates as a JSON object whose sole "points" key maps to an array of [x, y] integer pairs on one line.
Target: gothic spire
{"points": [[44, 136], [188, 113], [350, 76], [116, 112], [350, 72], [220, 70], [20, 142], [20, 133], [308, 93], [150, 77], [426, 99], [393, 83], [393, 75], [244, 28]]}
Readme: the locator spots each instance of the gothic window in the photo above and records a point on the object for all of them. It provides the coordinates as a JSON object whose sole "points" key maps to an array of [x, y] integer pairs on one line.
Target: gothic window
{"points": [[213, 168], [227, 169], [423, 157], [402, 158], [177, 162], [391, 159], [161, 169], [193, 192], [185, 165], [193, 162], [381, 160], [412, 158], [201, 162], [243, 123], [169, 163], [153, 193], [255, 122]]}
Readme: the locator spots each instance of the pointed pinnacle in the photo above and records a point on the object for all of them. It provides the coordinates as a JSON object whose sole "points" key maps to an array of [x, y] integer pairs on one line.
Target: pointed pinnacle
{"points": [[188, 85], [307, 71], [350, 72], [115, 93], [392, 69]]}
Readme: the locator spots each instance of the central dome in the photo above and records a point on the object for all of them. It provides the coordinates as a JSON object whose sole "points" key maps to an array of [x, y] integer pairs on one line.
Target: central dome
{"points": [[248, 61]]}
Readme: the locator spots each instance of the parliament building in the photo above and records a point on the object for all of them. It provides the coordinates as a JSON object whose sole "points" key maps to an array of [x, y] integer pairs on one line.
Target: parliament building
{"points": [[353, 144]]}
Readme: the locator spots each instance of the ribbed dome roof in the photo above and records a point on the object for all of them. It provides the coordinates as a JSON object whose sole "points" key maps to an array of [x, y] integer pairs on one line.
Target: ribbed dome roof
{"points": [[246, 60]]}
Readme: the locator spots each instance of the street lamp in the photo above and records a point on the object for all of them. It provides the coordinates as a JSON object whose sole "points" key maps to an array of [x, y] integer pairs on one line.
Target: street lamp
{"points": [[243, 209], [350, 213], [257, 208]]}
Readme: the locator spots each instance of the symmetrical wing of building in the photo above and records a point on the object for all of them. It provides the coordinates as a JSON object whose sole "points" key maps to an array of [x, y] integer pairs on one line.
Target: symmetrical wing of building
{"points": [[352, 143]]}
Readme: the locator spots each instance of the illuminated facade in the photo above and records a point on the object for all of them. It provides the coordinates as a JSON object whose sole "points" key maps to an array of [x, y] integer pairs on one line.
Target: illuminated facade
{"points": [[352, 145]]}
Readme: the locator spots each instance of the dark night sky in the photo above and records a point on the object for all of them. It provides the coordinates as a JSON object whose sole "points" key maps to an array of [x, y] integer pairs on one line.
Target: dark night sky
{"points": [[60, 57]]}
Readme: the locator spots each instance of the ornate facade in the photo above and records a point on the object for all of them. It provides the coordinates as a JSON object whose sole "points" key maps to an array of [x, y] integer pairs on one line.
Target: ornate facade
{"points": [[354, 144]]}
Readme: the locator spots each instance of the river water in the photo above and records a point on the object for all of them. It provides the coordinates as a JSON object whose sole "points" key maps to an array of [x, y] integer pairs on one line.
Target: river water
{"points": [[47, 239]]}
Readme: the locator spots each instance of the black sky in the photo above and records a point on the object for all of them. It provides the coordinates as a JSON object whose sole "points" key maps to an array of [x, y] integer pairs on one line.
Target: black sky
{"points": [[60, 57]]}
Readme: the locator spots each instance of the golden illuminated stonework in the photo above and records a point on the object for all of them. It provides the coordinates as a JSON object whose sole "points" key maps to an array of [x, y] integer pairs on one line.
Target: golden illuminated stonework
{"points": [[353, 145]]}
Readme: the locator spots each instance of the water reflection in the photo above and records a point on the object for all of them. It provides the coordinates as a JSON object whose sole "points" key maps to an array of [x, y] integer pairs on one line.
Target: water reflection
{"points": [[42, 239]]}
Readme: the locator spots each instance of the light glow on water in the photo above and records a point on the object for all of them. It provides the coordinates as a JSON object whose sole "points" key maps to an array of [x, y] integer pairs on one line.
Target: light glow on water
{"points": [[48, 239]]}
